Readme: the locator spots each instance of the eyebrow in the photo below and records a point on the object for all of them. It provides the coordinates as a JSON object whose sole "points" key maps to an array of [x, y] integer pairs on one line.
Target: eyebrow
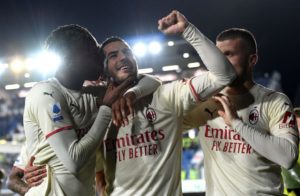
{"points": [[112, 52]]}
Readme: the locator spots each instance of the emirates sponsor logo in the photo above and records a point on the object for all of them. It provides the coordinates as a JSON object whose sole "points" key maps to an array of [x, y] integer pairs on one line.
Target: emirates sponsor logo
{"points": [[253, 116], [289, 120], [146, 143], [226, 140]]}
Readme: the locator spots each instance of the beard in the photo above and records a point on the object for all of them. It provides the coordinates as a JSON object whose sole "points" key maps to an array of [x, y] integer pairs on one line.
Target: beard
{"points": [[118, 80], [238, 81]]}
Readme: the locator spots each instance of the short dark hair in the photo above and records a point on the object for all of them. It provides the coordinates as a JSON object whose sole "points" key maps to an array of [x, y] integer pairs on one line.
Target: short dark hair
{"points": [[69, 39], [109, 40], [235, 33]]}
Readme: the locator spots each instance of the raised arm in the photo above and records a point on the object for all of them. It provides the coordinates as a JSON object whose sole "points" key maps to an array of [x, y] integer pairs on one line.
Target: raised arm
{"points": [[221, 72]]}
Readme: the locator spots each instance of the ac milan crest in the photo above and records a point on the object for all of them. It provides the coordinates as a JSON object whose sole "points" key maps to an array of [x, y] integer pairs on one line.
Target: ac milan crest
{"points": [[253, 116], [150, 114]]}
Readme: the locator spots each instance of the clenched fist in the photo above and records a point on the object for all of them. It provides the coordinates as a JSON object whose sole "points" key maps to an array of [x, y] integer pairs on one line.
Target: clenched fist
{"points": [[174, 23]]}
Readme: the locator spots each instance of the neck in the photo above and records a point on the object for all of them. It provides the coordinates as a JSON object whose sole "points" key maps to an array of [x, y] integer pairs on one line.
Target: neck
{"points": [[70, 82]]}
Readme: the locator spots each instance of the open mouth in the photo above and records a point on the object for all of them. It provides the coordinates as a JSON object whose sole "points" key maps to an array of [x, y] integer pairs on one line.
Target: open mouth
{"points": [[124, 68]]}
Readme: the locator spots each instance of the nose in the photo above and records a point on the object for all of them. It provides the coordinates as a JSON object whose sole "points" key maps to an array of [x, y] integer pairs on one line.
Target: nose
{"points": [[122, 55]]}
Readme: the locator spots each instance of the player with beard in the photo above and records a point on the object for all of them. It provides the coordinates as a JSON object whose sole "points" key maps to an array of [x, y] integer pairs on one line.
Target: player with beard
{"points": [[143, 157], [251, 133]]}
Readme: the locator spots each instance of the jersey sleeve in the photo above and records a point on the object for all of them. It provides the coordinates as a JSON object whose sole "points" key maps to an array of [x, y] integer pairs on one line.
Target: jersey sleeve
{"points": [[282, 118], [280, 144], [221, 72], [22, 158], [146, 85], [184, 94], [199, 115]]}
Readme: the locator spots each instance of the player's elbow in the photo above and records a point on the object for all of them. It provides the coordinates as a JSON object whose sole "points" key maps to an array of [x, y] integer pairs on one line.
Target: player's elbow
{"points": [[227, 79]]}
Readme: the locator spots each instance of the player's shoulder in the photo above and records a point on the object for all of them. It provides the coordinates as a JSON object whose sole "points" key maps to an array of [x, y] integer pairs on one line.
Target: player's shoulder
{"points": [[271, 95], [45, 85], [48, 88], [172, 84]]}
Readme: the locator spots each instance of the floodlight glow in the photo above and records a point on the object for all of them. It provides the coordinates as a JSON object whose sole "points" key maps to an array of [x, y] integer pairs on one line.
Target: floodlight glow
{"points": [[31, 64], [17, 65], [29, 84], [3, 67], [27, 75], [193, 65], [186, 55], [170, 67], [171, 43], [48, 62], [12, 86], [22, 93], [146, 70], [139, 49], [154, 47]]}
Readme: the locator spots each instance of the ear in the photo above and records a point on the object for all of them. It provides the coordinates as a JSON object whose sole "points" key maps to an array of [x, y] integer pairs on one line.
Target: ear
{"points": [[253, 59]]}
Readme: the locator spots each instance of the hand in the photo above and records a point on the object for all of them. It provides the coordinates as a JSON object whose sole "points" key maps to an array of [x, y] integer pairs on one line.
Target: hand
{"points": [[113, 93], [174, 23], [228, 112], [34, 174], [122, 108]]}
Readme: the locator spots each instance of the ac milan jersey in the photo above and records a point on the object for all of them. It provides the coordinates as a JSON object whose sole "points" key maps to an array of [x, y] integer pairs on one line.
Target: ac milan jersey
{"points": [[144, 157], [62, 109], [232, 166]]}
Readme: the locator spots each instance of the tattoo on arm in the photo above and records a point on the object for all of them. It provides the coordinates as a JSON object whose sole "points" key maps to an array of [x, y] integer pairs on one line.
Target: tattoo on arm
{"points": [[15, 182]]}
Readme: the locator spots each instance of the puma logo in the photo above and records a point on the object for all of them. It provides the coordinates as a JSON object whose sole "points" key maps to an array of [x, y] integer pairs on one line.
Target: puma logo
{"points": [[74, 105], [50, 94], [209, 112]]}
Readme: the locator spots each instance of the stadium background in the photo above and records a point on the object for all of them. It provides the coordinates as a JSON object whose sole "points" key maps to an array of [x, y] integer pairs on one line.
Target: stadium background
{"points": [[25, 24]]}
